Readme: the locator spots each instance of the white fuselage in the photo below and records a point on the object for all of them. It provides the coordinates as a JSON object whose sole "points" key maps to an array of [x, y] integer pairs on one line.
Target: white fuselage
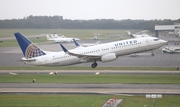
{"points": [[123, 47], [61, 40]]}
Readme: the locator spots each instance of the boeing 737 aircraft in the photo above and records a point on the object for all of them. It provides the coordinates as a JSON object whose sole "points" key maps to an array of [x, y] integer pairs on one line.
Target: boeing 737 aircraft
{"points": [[103, 52], [62, 36], [58, 40]]}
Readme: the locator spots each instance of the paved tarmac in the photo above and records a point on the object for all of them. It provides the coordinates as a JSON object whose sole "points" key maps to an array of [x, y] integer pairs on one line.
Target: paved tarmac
{"points": [[154, 72], [10, 55], [132, 89]]}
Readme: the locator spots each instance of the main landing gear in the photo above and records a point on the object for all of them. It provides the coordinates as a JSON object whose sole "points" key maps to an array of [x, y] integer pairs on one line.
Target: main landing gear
{"points": [[94, 65]]}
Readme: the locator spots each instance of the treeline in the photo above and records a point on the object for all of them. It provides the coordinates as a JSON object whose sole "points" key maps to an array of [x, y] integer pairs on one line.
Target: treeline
{"points": [[57, 22]]}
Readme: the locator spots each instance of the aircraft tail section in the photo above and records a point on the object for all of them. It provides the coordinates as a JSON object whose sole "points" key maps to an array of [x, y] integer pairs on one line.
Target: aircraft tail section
{"points": [[52, 37], [130, 34], [29, 49], [48, 37], [76, 43], [56, 36]]}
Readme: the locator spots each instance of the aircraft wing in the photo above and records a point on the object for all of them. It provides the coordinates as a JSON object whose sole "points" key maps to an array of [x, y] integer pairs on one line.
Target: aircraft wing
{"points": [[87, 56], [82, 55]]}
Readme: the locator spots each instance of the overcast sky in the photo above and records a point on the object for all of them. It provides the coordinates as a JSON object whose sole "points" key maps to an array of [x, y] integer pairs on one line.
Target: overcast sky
{"points": [[92, 9]]}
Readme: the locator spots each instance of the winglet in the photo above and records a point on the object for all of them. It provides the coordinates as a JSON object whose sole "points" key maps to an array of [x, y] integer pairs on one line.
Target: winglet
{"points": [[64, 49], [76, 43]]}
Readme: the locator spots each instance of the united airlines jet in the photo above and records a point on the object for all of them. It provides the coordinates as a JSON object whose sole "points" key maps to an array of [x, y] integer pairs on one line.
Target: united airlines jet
{"points": [[60, 39], [103, 52]]}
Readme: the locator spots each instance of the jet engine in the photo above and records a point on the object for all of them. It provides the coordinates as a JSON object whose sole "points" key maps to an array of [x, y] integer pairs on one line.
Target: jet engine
{"points": [[108, 57]]}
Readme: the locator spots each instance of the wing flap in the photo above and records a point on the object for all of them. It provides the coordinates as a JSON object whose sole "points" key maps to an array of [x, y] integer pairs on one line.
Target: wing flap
{"points": [[82, 56]]}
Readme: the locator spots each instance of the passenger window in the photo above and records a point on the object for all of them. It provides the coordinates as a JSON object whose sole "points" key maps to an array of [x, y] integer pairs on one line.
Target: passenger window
{"points": [[156, 39]]}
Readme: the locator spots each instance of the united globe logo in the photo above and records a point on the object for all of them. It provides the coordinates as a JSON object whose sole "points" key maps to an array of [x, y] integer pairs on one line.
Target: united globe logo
{"points": [[33, 51]]}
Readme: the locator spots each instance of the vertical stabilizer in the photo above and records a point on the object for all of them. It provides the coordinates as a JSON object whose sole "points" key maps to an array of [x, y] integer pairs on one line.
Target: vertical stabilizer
{"points": [[48, 37], [28, 48], [130, 34], [76, 43]]}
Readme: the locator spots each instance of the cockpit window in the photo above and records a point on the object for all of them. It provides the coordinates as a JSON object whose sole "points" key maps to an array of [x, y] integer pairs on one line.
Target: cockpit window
{"points": [[156, 39]]}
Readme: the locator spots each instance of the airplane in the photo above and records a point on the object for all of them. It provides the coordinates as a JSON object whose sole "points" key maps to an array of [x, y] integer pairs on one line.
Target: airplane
{"points": [[58, 40], [136, 36], [106, 52], [56, 36], [62, 36]]}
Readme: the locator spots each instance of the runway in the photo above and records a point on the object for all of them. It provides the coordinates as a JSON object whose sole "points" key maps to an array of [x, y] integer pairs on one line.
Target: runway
{"points": [[133, 89], [152, 72], [10, 55], [58, 88]]}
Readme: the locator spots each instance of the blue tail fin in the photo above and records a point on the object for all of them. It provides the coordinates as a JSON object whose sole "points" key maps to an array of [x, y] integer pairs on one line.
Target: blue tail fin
{"points": [[28, 48], [64, 49], [76, 43]]}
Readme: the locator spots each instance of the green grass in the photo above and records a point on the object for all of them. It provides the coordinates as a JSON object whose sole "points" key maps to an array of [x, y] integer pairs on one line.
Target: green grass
{"points": [[54, 100], [82, 34], [140, 101], [92, 78], [8, 43], [13, 43]]}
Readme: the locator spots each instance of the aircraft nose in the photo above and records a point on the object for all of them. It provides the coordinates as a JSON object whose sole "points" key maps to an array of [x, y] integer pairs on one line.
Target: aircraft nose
{"points": [[164, 42]]}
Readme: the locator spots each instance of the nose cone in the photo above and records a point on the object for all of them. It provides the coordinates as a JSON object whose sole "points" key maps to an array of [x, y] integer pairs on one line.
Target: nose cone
{"points": [[164, 42]]}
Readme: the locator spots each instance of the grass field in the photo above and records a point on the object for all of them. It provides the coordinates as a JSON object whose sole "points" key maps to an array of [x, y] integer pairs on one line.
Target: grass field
{"points": [[92, 78], [55, 100], [82, 34], [14, 43], [79, 33]]}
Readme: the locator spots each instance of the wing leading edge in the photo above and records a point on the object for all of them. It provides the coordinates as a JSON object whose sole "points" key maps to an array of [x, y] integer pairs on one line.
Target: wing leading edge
{"points": [[86, 56]]}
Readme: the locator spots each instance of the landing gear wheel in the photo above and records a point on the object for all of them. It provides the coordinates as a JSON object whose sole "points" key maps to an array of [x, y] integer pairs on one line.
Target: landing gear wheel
{"points": [[94, 65], [152, 54]]}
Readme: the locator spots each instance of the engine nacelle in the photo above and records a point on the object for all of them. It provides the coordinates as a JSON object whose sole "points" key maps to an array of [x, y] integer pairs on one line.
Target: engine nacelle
{"points": [[108, 57]]}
